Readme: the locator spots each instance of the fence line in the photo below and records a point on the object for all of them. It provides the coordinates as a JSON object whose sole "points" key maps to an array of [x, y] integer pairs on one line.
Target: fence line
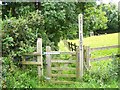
{"points": [[88, 51], [49, 60], [103, 48]]}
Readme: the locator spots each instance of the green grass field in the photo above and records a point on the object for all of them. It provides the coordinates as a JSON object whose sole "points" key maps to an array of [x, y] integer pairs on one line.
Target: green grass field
{"points": [[97, 41]]}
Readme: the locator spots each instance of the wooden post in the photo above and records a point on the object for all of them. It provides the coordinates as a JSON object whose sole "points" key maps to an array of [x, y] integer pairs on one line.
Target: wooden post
{"points": [[48, 62], [78, 64], [80, 21], [39, 58], [88, 56]]}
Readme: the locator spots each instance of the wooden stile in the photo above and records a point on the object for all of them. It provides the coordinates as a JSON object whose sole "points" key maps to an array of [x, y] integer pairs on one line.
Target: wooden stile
{"points": [[48, 62]]}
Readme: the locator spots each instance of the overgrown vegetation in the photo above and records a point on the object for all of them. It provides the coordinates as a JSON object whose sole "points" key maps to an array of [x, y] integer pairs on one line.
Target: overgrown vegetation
{"points": [[23, 23], [103, 74]]}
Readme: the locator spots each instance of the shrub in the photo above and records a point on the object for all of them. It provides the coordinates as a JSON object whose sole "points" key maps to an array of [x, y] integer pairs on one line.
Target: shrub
{"points": [[20, 35]]}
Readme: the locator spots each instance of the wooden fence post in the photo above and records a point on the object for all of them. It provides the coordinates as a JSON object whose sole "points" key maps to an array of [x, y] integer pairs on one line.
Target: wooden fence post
{"points": [[78, 64], [80, 21], [48, 62], [88, 55], [39, 58]]}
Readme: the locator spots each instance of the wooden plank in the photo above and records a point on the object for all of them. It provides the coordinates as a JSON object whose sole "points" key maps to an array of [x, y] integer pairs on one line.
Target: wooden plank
{"points": [[59, 52], [101, 58], [78, 65], [31, 63], [88, 56], [80, 21], [33, 54], [63, 82], [62, 68], [39, 58], [63, 61], [48, 62], [105, 47], [64, 75]]}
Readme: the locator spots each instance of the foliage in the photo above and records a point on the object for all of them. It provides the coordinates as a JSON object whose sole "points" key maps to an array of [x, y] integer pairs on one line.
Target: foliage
{"points": [[20, 34], [60, 19], [94, 17], [112, 15], [14, 77]]}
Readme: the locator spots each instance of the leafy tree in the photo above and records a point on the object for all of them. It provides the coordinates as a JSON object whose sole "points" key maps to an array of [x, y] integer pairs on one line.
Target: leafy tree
{"points": [[94, 17], [112, 15], [59, 19]]}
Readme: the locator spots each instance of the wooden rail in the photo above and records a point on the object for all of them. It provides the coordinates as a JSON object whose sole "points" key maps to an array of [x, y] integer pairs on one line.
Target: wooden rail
{"points": [[88, 51], [59, 52], [32, 54], [31, 63], [62, 68], [103, 48], [39, 62], [64, 75], [101, 58], [64, 82], [63, 61]]}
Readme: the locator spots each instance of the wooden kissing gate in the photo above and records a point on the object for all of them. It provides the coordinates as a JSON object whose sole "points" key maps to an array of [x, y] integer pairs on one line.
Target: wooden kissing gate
{"points": [[49, 60]]}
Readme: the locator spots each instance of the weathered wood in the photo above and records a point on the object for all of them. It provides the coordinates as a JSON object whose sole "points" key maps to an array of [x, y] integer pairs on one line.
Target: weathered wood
{"points": [[88, 55], [31, 63], [101, 58], [105, 47], [48, 62], [64, 75], [63, 61], [78, 65], [80, 21], [62, 68], [59, 52], [39, 58], [63, 82], [33, 54]]}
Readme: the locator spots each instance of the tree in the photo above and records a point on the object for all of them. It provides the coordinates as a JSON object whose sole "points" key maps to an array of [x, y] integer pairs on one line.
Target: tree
{"points": [[94, 17], [112, 15], [59, 19]]}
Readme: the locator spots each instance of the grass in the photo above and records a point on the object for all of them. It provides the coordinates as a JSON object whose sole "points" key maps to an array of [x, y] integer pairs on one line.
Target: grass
{"points": [[96, 41]]}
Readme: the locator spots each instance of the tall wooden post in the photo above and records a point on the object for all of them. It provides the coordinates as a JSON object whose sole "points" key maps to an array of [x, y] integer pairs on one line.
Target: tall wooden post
{"points": [[39, 58], [80, 21], [48, 62]]}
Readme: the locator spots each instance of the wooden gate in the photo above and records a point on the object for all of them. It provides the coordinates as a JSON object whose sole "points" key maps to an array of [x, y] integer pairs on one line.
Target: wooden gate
{"points": [[58, 69]]}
